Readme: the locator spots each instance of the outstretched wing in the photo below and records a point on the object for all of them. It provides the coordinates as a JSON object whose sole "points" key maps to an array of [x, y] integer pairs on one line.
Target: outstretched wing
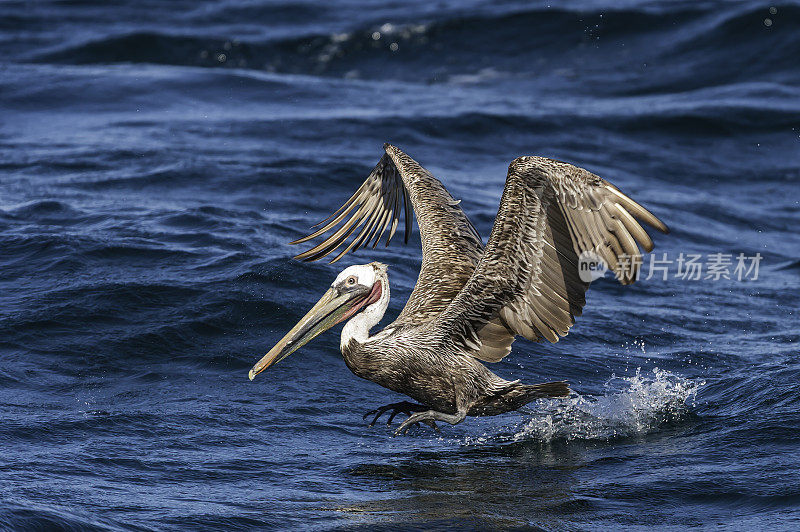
{"points": [[527, 282], [450, 245]]}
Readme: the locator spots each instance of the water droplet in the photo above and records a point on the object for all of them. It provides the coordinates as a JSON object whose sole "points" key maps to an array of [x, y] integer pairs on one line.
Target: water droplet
{"points": [[773, 10], [376, 35], [393, 47], [768, 22], [221, 58]]}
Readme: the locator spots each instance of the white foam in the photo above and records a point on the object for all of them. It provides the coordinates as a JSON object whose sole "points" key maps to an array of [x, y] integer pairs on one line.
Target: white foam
{"points": [[629, 406]]}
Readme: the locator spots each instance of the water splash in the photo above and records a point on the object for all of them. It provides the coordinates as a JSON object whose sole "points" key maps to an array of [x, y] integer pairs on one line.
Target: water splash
{"points": [[629, 406]]}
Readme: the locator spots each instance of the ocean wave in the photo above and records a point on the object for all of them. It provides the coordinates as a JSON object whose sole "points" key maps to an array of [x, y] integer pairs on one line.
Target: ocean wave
{"points": [[534, 42], [44, 211], [793, 266], [15, 517]]}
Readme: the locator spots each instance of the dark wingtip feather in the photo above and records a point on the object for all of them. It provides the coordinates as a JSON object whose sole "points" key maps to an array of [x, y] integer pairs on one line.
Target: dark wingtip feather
{"points": [[370, 205], [637, 210], [655, 223]]}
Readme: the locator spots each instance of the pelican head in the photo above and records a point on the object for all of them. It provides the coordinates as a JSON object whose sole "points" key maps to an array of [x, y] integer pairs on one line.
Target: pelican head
{"points": [[355, 289]]}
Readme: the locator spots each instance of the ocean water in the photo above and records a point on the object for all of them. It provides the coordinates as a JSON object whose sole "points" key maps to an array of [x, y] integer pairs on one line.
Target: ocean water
{"points": [[157, 157]]}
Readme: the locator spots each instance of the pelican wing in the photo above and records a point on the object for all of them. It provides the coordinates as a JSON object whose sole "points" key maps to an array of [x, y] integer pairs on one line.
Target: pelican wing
{"points": [[450, 245], [527, 281]]}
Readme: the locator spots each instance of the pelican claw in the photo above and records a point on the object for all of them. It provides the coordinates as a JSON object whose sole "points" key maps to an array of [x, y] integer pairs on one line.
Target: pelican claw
{"points": [[403, 407]]}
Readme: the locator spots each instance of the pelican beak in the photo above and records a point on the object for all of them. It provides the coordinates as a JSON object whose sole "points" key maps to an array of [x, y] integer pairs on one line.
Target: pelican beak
{"points": [[331, 309]]}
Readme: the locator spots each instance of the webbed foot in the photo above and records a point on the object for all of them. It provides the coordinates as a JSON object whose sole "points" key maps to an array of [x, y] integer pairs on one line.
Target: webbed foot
{"points": [[429, 417]]}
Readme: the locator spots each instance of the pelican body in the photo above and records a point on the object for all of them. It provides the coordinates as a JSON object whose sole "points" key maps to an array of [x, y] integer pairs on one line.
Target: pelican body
{"points": [[469, 302]]}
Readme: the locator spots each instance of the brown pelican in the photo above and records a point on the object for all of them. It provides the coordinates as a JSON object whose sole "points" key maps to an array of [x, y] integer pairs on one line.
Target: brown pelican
{"points": [[469, 302]]}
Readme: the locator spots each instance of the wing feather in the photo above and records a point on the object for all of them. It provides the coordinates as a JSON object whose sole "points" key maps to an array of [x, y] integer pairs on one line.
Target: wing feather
{"points": [[450, 245], [527, 281]]}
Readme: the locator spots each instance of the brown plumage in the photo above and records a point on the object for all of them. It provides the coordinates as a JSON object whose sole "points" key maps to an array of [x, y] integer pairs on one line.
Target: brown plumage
{"points": [[470, 303]]}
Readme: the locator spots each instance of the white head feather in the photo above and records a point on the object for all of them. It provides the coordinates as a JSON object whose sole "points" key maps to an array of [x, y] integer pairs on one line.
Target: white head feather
{"points": [[359, 325]]}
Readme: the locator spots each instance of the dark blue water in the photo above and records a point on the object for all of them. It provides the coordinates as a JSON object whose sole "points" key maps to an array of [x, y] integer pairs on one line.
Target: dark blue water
{"points": [[156, 157]]}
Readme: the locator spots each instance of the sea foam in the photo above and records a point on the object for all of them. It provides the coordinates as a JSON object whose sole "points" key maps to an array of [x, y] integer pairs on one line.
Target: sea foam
{"points": [[629, 406]]}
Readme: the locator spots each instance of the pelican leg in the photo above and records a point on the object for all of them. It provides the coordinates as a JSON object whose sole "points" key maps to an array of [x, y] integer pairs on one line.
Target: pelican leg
{"points": [[403, 407], [429, 417]]}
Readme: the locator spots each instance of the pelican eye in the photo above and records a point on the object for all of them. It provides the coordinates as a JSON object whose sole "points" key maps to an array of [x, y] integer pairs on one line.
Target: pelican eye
{"points": [[351, 281]]}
